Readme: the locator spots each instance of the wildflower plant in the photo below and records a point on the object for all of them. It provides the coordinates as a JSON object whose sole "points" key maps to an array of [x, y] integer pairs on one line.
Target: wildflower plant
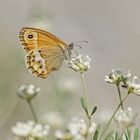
{"points": [[30, 130], [124, 118], [81, 64], [77, 128], [28, 93]]}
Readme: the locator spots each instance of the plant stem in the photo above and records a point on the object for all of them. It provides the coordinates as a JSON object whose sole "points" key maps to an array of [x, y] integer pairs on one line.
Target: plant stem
{"points": [[32, 110], [120, 98], [109, 122], [86, 102], [85, 91]]}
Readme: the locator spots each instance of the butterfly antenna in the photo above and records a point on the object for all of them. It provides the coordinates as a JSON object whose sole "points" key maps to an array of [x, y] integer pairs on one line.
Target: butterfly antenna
{"points": [[75, 43], [85, 41], [78, 46]]}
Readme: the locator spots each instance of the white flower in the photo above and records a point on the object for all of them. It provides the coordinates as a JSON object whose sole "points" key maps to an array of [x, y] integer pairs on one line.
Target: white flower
{"points": [[54, 119], [80, 63], [59, 134], [115, 77], [63, 135], [127, 76], [125, 118], [40, 131], [92, 128], [133, 86], [30, 129], [22, 129], [79, 127], [27, 92]]}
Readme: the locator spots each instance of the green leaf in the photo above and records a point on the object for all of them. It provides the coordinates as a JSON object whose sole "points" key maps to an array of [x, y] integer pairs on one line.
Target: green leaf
{"points": [[96, 134], [93, 110], [136, 134], [82, 101], [127, 136], [128, 132]]}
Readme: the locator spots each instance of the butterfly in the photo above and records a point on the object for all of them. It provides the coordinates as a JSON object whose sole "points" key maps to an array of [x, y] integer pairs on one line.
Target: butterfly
{"points": [[45, 52]]}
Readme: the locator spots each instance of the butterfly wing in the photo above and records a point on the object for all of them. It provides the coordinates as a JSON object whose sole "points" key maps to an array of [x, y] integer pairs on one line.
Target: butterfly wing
{"points": [[42, 62], [45, 52], [33, 38]]}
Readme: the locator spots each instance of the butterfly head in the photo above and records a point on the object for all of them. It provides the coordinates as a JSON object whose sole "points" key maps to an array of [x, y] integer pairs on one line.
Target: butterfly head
{"points": [[71, 46]]}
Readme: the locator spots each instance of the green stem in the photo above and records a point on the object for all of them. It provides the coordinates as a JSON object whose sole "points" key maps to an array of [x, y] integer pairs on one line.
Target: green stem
{"points": [[86, 102], [32, 110], [89, 123], [120, 98], [85, 91], [109, 122]]}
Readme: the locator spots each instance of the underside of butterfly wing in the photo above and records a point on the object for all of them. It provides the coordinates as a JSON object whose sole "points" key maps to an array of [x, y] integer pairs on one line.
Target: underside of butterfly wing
{"points": [[45, 52], [36, 64], [41, 62], [32, 38]]}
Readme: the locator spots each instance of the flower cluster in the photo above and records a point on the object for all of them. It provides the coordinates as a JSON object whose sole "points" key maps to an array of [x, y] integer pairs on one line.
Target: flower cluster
{"points": [[114, 77], [80, 63], [30, 130], [77, 129], [27, 92], [130, 83], [133, 86], [125, 118]]}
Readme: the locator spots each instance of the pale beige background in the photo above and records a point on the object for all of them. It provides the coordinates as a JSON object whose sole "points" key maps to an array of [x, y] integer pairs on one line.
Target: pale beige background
{"points": [[112, 28]]}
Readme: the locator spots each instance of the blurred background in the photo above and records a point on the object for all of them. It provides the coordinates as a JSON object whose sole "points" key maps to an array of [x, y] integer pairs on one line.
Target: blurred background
{"points": [[112, 29]]}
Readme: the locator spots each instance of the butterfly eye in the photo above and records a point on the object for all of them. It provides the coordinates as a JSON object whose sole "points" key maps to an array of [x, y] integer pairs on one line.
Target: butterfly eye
{"points": [[30, 36]]}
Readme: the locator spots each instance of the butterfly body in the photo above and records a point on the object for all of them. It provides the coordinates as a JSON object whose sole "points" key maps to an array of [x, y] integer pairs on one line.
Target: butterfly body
{"points": [[45, 52]]}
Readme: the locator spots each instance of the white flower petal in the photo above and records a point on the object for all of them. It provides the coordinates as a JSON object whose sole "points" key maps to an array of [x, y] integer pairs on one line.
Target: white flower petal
{"points": [[125, 118], [30, 129], [80, 63]]}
